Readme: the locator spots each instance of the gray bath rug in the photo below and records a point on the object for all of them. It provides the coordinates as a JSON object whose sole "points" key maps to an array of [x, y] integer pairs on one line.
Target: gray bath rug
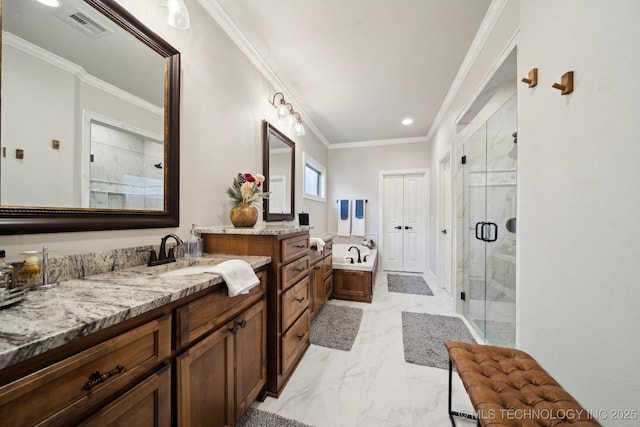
{"points": [[258, 418], [407, 284], [336, 326], [424, 335]]}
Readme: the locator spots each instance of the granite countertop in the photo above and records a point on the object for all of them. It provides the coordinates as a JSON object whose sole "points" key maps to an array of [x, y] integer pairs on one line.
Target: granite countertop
{"points": [[326, 237], [274, 230], [49, 318]]}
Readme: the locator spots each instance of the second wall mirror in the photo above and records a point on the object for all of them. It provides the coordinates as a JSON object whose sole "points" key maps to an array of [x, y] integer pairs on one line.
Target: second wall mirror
{"points": [[279, 169]]}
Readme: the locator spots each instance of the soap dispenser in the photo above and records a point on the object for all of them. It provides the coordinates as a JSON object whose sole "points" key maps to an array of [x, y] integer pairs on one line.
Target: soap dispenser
{"points": [[194, 244]]}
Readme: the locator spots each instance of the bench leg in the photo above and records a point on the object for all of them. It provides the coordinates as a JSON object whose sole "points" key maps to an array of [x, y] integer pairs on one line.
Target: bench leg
{"points": [[456, 413]]}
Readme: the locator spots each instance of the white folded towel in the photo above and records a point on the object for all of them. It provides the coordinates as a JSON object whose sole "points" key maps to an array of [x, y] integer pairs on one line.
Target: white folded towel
{"points": [[318, 241], [238, 275]]}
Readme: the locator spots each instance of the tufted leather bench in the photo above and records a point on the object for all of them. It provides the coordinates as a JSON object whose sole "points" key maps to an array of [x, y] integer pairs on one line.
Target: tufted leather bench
{"points": [[508, 388]]}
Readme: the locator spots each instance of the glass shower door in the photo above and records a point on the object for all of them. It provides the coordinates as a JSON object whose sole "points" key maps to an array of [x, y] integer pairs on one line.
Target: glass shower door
{"points": [[475, 208], [490, 224], [500, 302]]}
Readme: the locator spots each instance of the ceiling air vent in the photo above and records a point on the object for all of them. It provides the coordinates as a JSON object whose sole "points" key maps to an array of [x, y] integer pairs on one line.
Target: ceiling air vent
{"points": [[80, 20]]}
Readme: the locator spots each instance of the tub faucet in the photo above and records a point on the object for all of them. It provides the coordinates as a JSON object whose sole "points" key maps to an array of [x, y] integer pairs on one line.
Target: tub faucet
{"points": [[356, 248]]}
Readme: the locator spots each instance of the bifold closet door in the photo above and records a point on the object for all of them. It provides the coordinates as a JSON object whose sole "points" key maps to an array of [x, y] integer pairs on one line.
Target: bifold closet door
{"points": [[405, 222]]}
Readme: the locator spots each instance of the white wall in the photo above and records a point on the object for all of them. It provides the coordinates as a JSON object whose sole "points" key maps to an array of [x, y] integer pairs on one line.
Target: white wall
{"points": [[224, 98], [578, 192], [354, 174], [42, 109], [579, 184], [506, 26]]}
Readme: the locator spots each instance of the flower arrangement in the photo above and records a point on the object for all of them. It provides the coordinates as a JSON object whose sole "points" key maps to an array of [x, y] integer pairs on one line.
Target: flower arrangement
{"points": [[246, 188]]}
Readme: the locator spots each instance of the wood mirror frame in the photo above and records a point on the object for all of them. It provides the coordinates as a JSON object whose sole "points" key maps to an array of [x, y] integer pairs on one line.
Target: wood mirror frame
{"points": [[269, 133], [28, 220]]}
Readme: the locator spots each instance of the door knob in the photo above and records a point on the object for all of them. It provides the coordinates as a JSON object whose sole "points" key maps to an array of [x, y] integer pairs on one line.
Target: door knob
{"points": [[398, 227], [406, 227], [444, 231]]}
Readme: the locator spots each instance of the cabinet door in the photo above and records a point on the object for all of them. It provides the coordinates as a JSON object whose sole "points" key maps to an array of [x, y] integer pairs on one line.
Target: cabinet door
{"points": [[318, 288], [204, 376], [251, 356], [147, 404]]}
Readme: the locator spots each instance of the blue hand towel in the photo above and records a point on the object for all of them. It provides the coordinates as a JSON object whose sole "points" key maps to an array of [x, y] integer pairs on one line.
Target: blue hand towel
{"points": [[344, 209], [359, 209]]}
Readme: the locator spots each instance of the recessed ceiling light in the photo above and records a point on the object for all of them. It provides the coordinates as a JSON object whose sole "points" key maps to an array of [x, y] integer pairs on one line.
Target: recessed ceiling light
{"points": [[50, 3], [407, 121]]}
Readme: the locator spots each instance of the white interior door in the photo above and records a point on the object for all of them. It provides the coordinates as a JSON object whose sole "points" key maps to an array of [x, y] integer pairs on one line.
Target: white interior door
{"points": [[393, 218], [278, 196], [405, 222]]}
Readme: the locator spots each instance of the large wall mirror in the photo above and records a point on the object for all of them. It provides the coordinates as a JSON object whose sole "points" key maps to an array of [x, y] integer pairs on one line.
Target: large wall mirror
{"points": [[279, 169], [90, 119]]}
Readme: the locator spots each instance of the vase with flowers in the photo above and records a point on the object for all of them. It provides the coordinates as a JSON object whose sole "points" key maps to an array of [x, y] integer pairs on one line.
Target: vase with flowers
{"points": [[246, 189]]}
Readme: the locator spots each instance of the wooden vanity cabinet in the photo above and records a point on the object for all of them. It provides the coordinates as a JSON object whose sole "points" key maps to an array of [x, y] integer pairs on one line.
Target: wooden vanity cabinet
{"points": [[288, 295], [131, 374], [223, 367], [321, 277], [87, 383]]}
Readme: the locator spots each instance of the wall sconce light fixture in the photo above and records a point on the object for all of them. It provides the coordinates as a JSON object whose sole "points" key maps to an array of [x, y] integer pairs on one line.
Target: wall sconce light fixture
{"points": [[285, 111], [177, 14]]}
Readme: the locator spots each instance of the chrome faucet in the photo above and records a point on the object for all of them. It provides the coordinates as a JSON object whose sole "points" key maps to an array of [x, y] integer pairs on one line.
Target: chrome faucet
{"points": [[45, 270], [356, 248]]}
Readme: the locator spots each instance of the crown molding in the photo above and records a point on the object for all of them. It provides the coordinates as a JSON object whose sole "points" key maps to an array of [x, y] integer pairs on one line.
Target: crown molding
{"points": [[490, 18], [217, 12], [379, 143], [76, 70]]}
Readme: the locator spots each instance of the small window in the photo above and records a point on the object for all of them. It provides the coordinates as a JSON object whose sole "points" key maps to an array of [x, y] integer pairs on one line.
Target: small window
{"points": [[314, 179]]}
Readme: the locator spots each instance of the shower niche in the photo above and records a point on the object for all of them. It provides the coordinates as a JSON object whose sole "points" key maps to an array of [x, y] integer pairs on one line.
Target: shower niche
{"points": [[487, 137]]}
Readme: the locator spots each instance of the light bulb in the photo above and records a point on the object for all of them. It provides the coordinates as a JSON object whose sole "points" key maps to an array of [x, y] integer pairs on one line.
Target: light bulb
{"points": [[298, 129], [178, 14], [50, 3], [291, 121], [282, 111]]}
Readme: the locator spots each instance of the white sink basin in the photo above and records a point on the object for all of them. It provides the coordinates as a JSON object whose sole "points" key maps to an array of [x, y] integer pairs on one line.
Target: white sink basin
{"points": [[186, 271]]}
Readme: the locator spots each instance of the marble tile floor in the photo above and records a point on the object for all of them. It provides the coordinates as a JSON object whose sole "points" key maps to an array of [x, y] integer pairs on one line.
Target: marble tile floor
{"points": [[372, 385]]}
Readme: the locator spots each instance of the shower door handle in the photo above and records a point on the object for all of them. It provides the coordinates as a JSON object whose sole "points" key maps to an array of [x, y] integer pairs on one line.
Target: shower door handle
{"points": [[495, 232], [480, 235]]}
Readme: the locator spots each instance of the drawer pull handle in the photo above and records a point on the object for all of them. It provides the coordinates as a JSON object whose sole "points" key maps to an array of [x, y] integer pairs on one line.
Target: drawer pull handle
{"points": [[301, 246], [300, 299], [242, 323], [300, 270], [300, 337], [96, 377], [234, 330]]}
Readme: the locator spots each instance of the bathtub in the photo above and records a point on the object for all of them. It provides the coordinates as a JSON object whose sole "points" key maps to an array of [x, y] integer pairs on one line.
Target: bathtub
{"points": [[353, 282], [341, 257]]}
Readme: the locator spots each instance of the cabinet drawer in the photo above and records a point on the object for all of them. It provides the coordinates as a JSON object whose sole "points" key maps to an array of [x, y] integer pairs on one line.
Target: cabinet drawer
{"points": [[328, 248], [294, 301], [328, 266], [56, 392], [199, 317], [147, 404], [293, 272], [294, 247], [295, 341], [315, 255]]}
